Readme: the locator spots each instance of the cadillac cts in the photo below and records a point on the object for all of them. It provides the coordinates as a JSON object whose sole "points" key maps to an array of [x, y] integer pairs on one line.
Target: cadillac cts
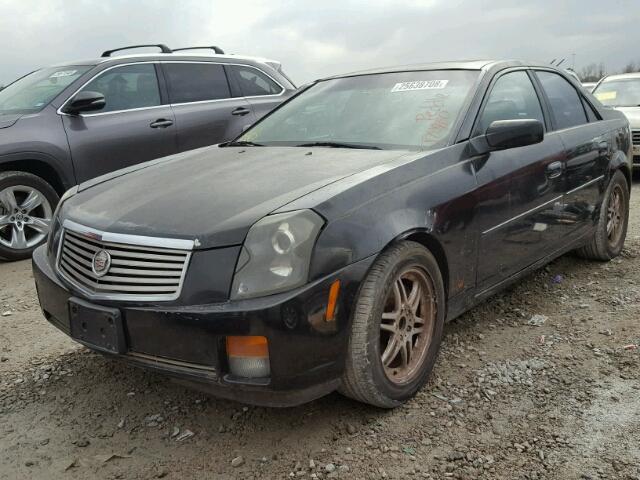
{"points": [[326, 246]]}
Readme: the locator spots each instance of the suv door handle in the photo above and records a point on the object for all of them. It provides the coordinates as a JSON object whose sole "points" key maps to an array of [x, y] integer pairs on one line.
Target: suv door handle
{"points": [[161, 123], [240, 111], [554, 169]]}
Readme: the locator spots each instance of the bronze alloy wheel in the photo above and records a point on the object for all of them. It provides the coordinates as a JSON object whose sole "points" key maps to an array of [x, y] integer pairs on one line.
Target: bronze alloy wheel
{"points": [[615, 212], [397, 325], [406, 327]]}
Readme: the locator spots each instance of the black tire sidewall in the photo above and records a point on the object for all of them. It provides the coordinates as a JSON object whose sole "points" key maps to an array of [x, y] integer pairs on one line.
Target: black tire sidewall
{"points": [[400, 393], [618, 179], [9, 179]]}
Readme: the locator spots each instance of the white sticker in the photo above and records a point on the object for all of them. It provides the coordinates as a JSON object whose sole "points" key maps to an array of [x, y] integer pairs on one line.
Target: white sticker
{"points": [[419, 85], [63, 73]]}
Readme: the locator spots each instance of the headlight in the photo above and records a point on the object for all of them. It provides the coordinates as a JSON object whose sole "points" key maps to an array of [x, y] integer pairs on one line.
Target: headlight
{"points": [[54, 230], [276, 254]]}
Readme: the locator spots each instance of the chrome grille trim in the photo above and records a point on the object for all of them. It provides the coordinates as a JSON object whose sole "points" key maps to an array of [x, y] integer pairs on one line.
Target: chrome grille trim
{"points": [[635, 137], [141, 269]]}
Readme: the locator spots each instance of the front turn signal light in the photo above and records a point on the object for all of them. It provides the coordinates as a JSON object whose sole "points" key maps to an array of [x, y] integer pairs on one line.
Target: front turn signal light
{"points": [[332, 301], [248, 356]]}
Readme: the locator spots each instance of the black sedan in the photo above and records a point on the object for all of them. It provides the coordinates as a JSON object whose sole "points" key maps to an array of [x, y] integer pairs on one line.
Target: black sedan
{"points": [[326, 247]]}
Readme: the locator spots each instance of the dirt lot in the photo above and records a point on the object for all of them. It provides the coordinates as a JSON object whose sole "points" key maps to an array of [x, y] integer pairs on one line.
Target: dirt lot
{"points": [[508, 400]]}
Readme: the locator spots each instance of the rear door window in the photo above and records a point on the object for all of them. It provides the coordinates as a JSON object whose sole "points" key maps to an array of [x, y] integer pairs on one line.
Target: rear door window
{"points": [[196, 82], [127, 87], [565, 102], [253, 82]]}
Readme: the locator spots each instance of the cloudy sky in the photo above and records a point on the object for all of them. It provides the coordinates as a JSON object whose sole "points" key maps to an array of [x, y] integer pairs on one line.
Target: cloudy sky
{"points": [[314, 39]]}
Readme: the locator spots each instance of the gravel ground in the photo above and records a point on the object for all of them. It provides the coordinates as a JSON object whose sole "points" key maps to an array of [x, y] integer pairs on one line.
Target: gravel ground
{"points": [[540, 382]]}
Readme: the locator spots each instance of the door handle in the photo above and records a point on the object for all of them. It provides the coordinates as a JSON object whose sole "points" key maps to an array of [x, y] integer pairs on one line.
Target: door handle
{"points": [[161, 123], [603, 147], [240, 111], [554, 169]]}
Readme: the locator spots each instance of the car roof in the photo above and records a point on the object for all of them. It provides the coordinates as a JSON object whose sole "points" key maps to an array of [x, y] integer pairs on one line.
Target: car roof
{"points": [[451, 65], [621, 76], [170, 56]]}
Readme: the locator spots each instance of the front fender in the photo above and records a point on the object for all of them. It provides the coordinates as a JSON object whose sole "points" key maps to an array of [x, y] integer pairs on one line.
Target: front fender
{"points": [[440, 204]]}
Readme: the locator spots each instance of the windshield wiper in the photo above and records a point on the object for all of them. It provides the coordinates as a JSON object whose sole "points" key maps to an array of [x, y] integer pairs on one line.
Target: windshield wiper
{"points": [[244, 143], [339, 145]]}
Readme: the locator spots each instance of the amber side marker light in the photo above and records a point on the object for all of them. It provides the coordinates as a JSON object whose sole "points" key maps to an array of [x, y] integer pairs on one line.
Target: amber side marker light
{"points": [[333, 301], [248, 356]]}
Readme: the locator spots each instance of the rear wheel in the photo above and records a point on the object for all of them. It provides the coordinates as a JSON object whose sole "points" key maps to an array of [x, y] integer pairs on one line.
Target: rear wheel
{"points": [[27, 203], [396, 327], [611, 231]]}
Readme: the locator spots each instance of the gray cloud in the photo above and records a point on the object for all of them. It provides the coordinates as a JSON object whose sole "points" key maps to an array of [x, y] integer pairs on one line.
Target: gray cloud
{"points": [[314, 39]]}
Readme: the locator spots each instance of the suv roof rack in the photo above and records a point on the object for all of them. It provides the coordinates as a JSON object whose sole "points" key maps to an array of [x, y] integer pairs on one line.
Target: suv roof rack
{"points": [[217, 50], [163, 48]]}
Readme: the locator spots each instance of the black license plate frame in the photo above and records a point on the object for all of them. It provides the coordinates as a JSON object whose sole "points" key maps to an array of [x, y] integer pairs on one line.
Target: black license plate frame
{"points": [[97, 327]]}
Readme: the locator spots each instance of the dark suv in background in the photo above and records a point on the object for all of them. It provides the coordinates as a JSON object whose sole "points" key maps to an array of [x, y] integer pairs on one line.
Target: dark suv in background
{"points": [[62, 125]]}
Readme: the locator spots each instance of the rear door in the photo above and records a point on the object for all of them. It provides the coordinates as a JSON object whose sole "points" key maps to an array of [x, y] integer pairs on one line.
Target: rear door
{"points": [[520, 189], [204, 109], [135, 125], [588, 150], [261, 91]]}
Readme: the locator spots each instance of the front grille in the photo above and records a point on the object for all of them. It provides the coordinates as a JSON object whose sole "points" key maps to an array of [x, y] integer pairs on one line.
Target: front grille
{"points": [[635, 135], [135, 271]]}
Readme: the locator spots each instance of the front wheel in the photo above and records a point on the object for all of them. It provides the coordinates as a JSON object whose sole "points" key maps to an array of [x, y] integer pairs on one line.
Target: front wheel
{"points": [[611, 230], [26, 209], [396, 327]]}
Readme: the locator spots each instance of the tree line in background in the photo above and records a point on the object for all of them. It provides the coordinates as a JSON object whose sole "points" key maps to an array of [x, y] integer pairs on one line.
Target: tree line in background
{"points": [[595, 71]]}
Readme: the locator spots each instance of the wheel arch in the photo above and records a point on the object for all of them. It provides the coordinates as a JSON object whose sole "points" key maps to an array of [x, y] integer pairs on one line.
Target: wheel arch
{"points": [[38, 167], [621, 162], [431, 243], [626, 171]]}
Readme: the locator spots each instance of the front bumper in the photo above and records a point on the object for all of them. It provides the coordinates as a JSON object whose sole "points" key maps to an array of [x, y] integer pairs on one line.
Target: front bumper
{"points": [[306, 353]]}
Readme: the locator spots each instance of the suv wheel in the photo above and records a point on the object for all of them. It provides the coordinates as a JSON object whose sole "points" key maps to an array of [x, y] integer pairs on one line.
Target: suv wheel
{"points": [[396, 328], [27, 203]]}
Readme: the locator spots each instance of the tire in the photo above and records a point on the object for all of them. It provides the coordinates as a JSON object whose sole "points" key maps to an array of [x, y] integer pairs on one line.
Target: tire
{"points": [[366, 378], [24, 229], [606, 245]]}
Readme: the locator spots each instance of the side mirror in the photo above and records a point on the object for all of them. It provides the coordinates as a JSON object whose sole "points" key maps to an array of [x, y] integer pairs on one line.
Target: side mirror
{"points": [[85, 102], [504, 134]]}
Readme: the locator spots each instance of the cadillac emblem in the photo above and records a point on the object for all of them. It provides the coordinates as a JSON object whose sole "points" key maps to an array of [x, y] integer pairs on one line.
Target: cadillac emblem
{"points": [[101, 263]]}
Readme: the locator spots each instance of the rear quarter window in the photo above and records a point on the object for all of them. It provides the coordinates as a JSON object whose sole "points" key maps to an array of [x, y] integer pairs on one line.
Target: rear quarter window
{"points": [[253, 83]]}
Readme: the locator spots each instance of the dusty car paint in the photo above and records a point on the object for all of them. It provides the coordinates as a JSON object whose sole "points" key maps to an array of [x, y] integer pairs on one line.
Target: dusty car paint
{"points": [[488, 218]]}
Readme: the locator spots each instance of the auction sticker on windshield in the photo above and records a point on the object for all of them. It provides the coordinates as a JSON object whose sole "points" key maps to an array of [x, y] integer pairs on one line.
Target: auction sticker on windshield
{"points": [[419, 85], [63, 73]]}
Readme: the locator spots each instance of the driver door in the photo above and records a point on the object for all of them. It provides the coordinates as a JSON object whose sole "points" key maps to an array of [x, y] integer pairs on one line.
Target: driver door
{"points": [[521, 189]]}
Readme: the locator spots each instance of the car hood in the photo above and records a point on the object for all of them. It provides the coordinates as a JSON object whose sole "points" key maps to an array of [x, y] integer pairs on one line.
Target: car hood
{"points": [[8, 120], [632, 114], [212, 195]]}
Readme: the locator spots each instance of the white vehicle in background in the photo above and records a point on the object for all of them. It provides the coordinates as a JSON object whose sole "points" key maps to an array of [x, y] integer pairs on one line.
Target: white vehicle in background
{"points": [[588, 86], [622, 92]]}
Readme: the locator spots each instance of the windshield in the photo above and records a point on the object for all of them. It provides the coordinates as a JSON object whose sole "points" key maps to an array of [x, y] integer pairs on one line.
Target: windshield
{"points": [[619, 93], [33, 92], [407, 110]]}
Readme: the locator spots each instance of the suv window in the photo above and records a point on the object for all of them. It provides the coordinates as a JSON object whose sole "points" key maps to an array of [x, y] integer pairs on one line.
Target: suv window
{"points": [[196, 82], [565, 102], [253, 82], [512, 98], [127, 87]]}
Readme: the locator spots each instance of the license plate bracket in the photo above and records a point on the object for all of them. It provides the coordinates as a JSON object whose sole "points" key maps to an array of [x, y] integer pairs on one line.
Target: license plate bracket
{"points": [[96, 326]]}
